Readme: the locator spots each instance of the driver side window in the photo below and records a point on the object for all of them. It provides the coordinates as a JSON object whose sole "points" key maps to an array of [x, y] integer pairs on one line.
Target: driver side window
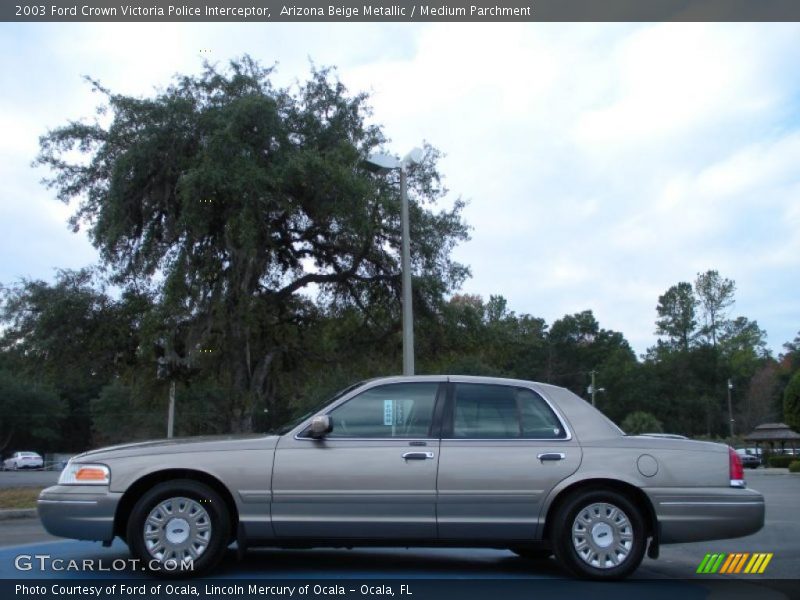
{"points": [[400, 410]]}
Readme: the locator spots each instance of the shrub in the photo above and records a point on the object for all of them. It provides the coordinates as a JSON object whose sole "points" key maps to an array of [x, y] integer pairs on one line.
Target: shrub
{"points": [[641, 422], [791, 402], [794, 466], [781, 461]]}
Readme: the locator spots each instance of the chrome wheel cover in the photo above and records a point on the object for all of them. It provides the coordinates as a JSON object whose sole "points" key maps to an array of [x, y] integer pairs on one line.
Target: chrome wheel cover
{"points": [[177, 529], [602, 535]]}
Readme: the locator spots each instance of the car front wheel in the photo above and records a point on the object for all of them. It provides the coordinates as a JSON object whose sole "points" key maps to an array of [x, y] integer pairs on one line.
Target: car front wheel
{"points": [[179, 528], [599, 535]]}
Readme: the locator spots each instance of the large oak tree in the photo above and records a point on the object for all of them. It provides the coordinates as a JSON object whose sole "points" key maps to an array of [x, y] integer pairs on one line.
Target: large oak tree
{"points": [[230, 200]]}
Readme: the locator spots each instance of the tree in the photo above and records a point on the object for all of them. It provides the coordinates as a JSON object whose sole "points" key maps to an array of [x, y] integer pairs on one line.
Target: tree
{"points": [[759, 401], [743, 346], [676, 315], [791, 402], [30, 413], [227, 198], [72, 337], [577, 345], [119, 415], [715, 296], [790, 360], [641, 422]]}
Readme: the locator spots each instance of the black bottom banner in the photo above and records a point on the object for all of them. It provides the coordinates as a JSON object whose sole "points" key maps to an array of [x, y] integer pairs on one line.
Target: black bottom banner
{"points": [[411, 589]]}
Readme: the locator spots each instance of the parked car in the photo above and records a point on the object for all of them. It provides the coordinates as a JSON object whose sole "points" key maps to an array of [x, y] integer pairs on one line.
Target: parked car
{"points": [[754, 451], [426, 460], [23, 460], [749, 459]]}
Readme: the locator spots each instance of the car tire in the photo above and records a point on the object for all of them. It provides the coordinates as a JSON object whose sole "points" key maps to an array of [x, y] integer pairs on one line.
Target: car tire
{"points": [[176, 521], [537, 554], [599, 534]]}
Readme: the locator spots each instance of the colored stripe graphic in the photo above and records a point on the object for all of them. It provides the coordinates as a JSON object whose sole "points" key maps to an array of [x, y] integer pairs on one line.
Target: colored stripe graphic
{"points": [[717, 563], [736, 557], [755, 562], [728, 563], [712, 558], [703, 563], [737, 562], [741, 562], [764, 564], [734, 560]]}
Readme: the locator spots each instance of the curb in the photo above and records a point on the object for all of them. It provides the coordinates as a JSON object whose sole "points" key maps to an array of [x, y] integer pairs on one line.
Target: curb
{"points": [[17, 513]]}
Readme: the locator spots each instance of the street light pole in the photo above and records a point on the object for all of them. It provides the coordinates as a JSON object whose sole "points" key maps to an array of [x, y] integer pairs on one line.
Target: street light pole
{"points": [[383, 163], [730, 406], [405, 265], [171, 411], [593, 390]]}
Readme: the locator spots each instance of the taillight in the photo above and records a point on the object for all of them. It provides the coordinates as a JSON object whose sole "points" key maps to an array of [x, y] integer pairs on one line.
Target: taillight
{"points": [[735, 468]]}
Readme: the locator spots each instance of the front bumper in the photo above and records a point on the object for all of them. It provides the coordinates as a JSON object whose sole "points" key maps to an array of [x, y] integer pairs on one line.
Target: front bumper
{"points": [[698, 514], [79, 512]]}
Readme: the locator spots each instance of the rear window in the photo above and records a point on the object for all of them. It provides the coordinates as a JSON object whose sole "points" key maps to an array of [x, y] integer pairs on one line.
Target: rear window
{"points": [[503, 412]]}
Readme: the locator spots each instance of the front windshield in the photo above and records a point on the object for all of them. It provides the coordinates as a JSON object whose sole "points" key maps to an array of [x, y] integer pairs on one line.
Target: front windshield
{"points": [[287, 427]]}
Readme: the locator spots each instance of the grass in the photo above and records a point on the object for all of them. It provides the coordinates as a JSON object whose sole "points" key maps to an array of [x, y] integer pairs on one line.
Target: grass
{"points": [[23, 497]]}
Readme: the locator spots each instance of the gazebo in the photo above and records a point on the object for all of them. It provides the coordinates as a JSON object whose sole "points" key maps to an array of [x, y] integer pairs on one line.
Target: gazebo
{"points": [[774, 433]]}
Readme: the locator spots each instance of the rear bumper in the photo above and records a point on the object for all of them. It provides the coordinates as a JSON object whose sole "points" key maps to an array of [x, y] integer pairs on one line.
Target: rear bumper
{"points": [[697, 514], [78, 512]]}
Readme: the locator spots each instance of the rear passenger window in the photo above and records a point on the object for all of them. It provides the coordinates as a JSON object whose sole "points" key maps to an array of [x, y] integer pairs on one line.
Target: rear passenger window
{"points": [[502, 412]]}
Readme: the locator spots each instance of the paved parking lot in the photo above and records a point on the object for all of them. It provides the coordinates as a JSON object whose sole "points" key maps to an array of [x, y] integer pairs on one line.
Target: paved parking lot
{"points": [[781, 536], [13, 479]]}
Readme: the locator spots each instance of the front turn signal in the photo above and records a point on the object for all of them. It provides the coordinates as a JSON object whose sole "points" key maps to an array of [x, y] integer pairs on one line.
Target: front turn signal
{"points": [[78, 474]]}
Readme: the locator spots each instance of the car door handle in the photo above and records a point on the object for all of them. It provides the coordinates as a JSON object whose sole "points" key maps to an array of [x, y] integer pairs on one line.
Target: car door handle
{"points": [[551, 456], [417, 455]]}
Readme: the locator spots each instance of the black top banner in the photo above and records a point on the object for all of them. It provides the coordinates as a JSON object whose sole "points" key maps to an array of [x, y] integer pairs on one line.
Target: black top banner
{"points": [[398, 10]]}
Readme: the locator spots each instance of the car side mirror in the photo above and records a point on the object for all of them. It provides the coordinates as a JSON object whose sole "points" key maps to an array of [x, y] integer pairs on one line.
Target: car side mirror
{"points": [[320, 426]]}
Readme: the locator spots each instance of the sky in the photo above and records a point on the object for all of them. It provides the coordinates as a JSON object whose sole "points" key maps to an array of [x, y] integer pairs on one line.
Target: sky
{"points": [[601, 163]]}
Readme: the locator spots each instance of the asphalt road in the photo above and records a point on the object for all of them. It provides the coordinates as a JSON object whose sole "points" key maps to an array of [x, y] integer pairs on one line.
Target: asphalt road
{"points": [[781, 536], [14, 479]]}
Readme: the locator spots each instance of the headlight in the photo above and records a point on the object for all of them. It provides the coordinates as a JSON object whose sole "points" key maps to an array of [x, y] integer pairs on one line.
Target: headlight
{"points": [[85, 474]]}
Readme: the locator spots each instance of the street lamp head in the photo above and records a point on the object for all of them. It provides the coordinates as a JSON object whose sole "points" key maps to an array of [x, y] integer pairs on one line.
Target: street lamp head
{"points": [[382, 162], [414, 157]]}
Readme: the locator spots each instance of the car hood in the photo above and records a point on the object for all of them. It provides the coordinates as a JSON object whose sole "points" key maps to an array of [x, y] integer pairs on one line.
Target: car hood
{"points": [[217, 443]]}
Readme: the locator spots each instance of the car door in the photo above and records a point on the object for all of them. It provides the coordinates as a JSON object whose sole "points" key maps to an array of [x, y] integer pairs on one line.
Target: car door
{"points": [[503, 449], [372, 477]]}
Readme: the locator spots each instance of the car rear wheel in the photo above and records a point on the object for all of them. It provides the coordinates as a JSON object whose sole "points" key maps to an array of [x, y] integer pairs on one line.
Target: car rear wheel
{"points": [[599, 535], [179, 528]]}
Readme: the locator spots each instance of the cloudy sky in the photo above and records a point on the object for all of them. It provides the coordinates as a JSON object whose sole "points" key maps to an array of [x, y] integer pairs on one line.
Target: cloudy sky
{"points": [[602, 163]]}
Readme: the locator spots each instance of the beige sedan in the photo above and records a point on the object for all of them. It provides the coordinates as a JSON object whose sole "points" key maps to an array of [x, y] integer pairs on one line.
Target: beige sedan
{"points": [[428, 460]]}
